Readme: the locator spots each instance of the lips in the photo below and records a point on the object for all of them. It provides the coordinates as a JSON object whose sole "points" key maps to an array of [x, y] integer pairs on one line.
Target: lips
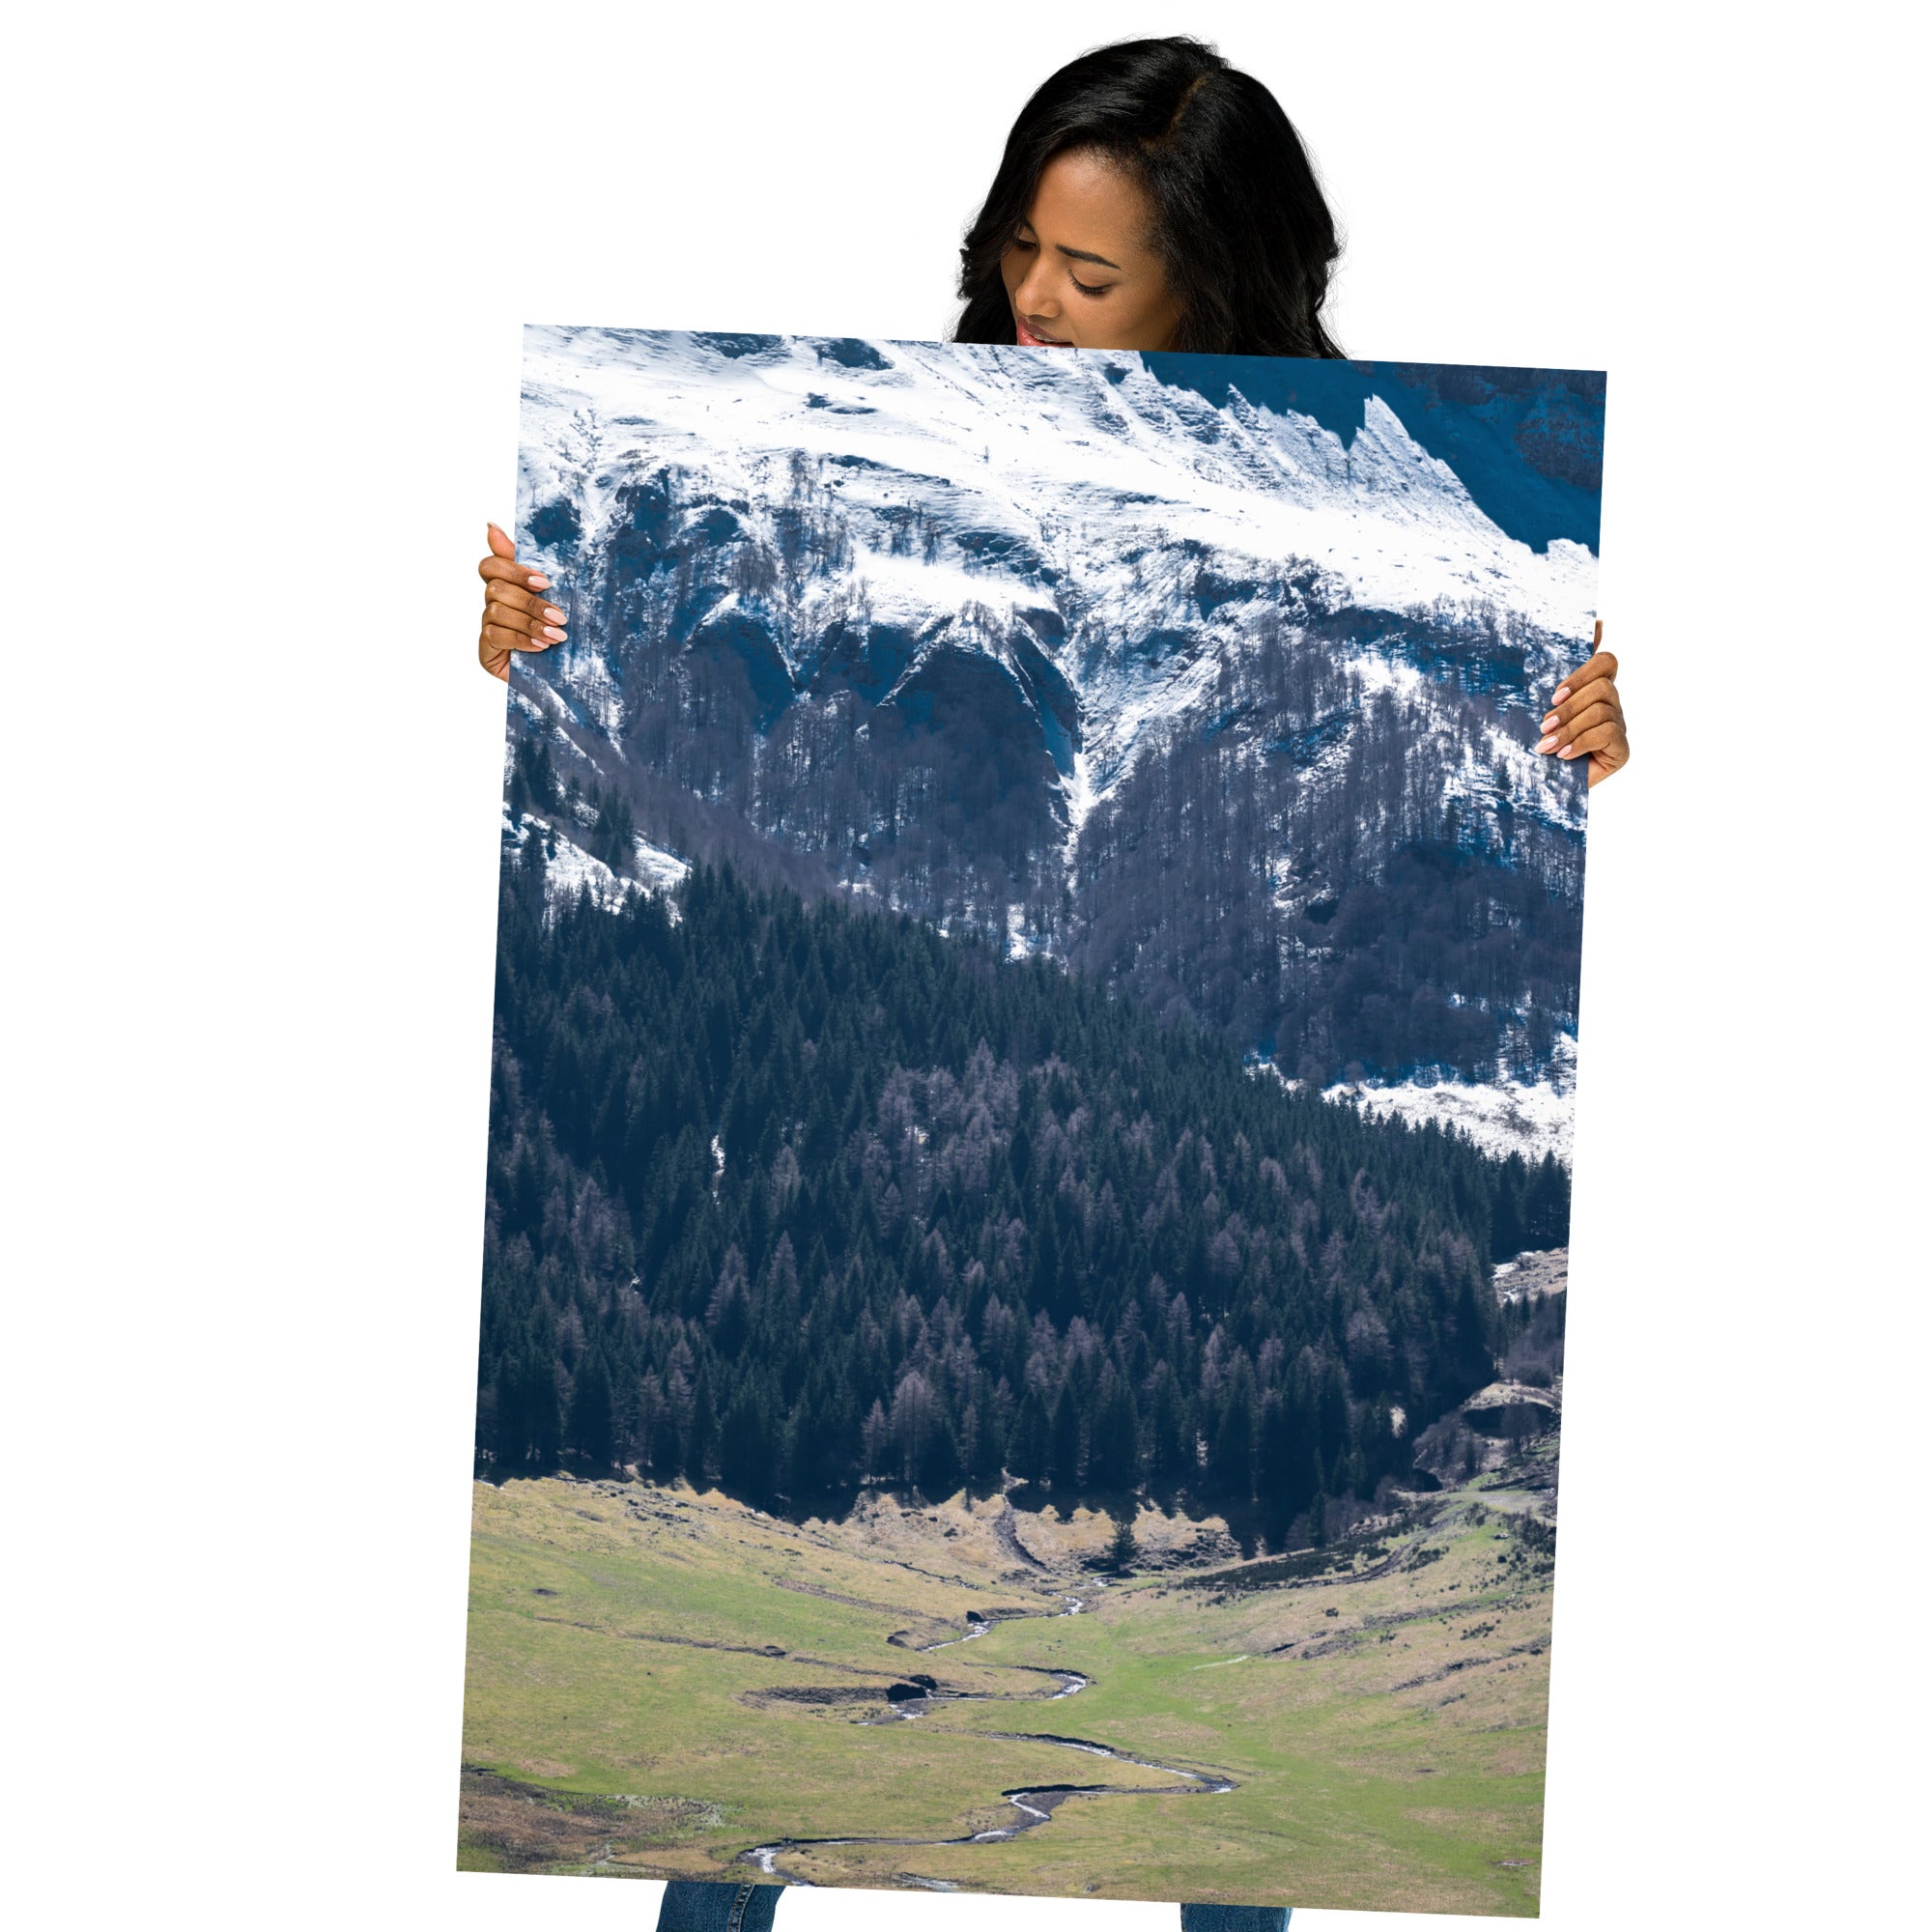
{"points": [[1026, 338]]}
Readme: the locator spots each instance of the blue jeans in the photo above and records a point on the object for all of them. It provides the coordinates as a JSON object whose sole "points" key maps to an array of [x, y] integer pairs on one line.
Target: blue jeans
{"points": [[695, 1905]]}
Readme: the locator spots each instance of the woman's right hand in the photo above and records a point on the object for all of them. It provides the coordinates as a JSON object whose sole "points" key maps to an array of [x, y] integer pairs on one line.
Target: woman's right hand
{"points": [[515, 618]]}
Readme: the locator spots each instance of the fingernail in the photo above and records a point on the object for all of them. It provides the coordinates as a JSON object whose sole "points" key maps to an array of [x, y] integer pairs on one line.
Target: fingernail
{"points": [[497, 527], [1568, 752], [1561, 695], [1547, 745], [537, 581], [554, 635], [552, 617]]}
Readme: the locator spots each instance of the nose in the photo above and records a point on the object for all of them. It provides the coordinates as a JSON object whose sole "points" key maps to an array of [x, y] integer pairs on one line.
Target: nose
{"points": [[1035, 294]]}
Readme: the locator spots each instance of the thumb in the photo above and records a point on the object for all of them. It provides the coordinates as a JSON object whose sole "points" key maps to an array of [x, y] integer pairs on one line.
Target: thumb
{"points": [[499, 544]]}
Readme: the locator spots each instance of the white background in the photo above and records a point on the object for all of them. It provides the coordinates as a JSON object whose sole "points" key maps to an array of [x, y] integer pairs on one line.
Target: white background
{"points": [[268, 270]]}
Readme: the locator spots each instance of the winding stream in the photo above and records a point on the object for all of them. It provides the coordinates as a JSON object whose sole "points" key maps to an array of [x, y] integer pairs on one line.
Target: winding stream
{"points": [[1032, 1806]]}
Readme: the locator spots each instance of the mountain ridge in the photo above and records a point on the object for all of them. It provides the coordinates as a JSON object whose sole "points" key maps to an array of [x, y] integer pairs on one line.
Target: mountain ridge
{"points": [[1046, 646]]}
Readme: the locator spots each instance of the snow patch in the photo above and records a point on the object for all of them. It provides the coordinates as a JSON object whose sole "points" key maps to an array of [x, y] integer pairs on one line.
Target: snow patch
{"points": [[1502, 1117], [663, 871], [1019, 943], [571, 867]]}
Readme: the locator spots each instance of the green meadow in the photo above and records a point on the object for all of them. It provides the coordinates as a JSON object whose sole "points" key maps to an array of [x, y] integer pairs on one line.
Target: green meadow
{"points": [[661, 1680]]}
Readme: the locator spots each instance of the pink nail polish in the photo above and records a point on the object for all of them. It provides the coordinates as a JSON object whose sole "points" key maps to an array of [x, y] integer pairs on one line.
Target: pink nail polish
{"points": [[1547, 745], [1568, 752], [552, 617], [554, 635], [1561, 695], [537, 581]]}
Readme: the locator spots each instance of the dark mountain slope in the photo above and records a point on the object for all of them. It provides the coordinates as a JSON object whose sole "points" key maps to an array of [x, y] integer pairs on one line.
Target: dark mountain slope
{"points": [[787, 1194]]}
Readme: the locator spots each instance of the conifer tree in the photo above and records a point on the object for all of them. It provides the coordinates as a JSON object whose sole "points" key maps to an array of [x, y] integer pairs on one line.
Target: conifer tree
{"points": [[592, 1430], [1317, 1519], [543, 1412], [1064, 1468], [1030, 1452]]}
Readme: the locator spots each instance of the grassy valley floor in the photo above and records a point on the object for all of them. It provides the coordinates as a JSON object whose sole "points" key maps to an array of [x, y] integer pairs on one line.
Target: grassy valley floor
{"points": [[669, 1683]]}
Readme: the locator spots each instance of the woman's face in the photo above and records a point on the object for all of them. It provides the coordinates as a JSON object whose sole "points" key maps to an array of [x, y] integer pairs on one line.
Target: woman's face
{"points": [[1080, 272]]}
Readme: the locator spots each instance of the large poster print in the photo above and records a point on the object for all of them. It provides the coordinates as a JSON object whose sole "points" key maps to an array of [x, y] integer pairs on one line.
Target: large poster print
{"points": [[1022, 1324]]}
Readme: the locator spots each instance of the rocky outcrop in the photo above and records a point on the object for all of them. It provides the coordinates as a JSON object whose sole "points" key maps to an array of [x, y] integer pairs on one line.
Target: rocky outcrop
{"points": [[1513, 1409]]}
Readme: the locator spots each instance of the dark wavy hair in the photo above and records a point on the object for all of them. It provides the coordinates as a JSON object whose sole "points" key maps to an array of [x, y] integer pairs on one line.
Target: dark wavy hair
{"points": [[1241, 229]]}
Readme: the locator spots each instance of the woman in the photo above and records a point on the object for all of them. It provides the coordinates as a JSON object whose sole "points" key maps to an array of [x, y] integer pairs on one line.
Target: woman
{"points": [[1150, 197]]}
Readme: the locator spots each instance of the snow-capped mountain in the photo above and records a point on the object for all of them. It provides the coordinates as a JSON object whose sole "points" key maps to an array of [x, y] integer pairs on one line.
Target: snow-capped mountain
{"points": [[1201, 695]]}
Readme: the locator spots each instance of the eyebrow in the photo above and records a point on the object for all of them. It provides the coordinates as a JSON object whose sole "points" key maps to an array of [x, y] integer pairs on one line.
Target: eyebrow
{"points": [[1086, 255], [1078, 254]]}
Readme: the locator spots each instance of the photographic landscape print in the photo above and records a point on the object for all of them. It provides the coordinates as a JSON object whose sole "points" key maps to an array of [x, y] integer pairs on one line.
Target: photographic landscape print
{"points": [[1028, 1197]]}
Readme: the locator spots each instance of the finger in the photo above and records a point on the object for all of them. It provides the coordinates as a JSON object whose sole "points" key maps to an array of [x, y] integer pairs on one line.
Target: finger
{"points": [[1586, 698], [511, 597], [500, 637], [500, 570], [1604, 665], [524, 624], [1599, 738], [1587, 720], [1601, 664], [500, 542], [496, 662]]}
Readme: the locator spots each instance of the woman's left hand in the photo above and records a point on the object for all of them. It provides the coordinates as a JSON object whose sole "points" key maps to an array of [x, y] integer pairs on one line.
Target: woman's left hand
{"points": [[1586, 716]]}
